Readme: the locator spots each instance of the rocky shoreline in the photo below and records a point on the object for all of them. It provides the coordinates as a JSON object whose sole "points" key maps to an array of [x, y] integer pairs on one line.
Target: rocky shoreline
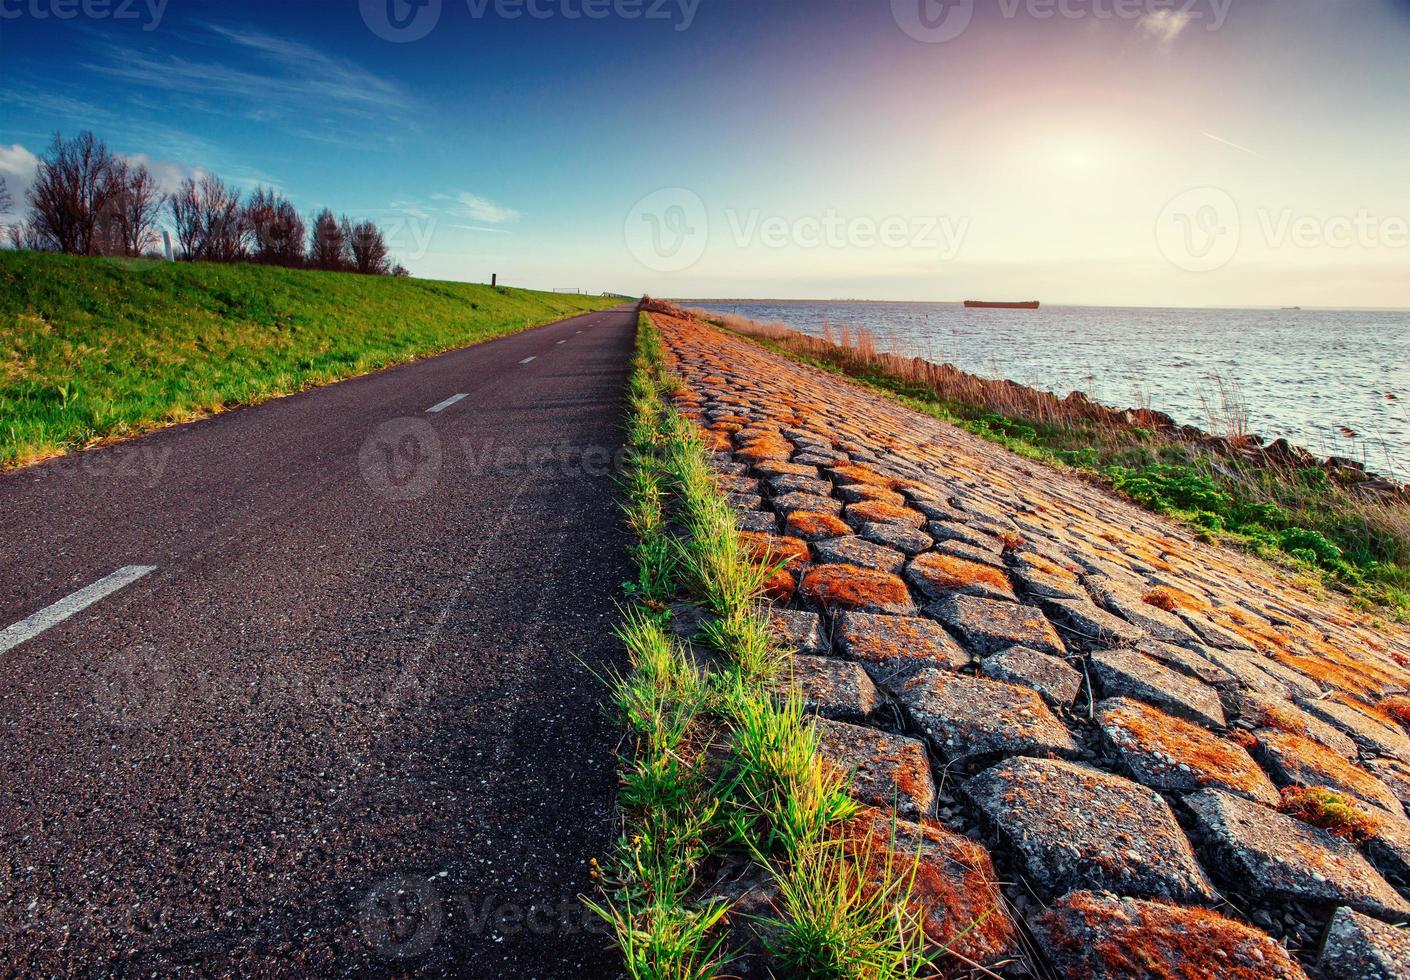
{"points": [[1078, 710]]}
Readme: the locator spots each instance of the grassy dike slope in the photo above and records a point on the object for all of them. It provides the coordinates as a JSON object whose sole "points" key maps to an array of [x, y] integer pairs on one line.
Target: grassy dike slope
{"points": [[92, 348]]}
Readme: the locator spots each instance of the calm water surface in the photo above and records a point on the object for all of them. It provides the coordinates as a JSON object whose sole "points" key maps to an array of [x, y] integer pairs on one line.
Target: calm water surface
{"points": [[1302, 374]]}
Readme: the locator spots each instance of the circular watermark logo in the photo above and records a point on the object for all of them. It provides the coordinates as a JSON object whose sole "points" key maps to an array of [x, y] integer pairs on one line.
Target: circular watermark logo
{"points": [[401, 459], [402, 917], [401, 21], [933, 21], [667, 230], [1199, 229], [135, 688]]}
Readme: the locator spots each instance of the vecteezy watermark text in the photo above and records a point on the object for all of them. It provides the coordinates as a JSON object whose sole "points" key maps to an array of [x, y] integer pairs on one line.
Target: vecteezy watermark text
{"points": [[149, 12], [1203, 229], [402, 21], [938, 21], [669, 230]]}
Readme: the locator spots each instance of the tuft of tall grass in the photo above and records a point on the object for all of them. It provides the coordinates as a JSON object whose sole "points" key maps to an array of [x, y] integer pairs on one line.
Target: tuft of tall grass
{"points": [[718, 764]]}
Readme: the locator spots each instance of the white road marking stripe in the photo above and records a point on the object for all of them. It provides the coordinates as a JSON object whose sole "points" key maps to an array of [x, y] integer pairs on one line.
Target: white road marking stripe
{"points": [[445, 404], [577, 331], [528, 359], [25, 629], [563, 341]]}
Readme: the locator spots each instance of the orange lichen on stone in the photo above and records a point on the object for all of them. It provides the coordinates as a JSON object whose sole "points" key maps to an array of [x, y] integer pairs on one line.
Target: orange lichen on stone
{"points": [[773, 549], [850, 587], [1333, 812], [812, 524], [1011, 540], [944, 571], [1099, 935], [860, 474], [779, 586], [953, 887], [1210, 759], [1397, 708], [884, 513]]}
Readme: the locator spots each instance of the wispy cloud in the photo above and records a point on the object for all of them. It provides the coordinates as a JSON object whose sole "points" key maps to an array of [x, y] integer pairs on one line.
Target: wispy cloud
{"points": [[1231, 143], [477, 208], [17, 166], [253, 75], [1164, 26], [497, 231]]}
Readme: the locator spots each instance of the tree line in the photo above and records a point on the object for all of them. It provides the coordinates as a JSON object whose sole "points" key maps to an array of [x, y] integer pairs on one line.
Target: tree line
{"points": [[86, 200]]}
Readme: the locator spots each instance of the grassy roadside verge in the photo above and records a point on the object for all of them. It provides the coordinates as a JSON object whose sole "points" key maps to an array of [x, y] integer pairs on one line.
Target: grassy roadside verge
{"points": [[92, 349], [721, 774], [1294, 516]]}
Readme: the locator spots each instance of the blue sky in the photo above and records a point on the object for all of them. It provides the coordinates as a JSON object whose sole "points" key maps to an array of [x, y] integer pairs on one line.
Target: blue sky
{"points": [[1228, 152]]}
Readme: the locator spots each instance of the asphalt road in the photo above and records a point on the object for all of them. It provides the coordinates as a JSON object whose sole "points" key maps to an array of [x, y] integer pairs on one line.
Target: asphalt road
{"points": [[336, 712]]}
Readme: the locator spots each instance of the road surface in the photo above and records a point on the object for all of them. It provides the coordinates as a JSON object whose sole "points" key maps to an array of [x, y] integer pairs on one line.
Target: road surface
{"points": [[309, 686]]}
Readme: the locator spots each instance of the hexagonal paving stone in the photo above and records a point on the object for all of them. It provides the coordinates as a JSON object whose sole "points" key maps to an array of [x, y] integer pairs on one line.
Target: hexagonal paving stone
{"points": [[1129, 604], [1190, 661], [1098, 936], [1273, 856], [815, 526], [850, 550], [955, 887], [880, 512], [790, 483], [1358, 947], [1372, 734], [1095, 626], [857, 492], [886, 770], [1296, 761], [987, 626], [964, 534], [760, 521], [1126, 673], [801, 631], [1258, 710], [744, 501], [890, 646], [1078, 827], [832, 688], [1394, 774], [898, 536], [935, 575], [1053, 678], [975, 716], [850, 587], [1168, 753], [812, 503]]}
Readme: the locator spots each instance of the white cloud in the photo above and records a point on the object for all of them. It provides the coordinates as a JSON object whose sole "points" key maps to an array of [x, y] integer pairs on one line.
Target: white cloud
{"points": [[478, 208], [1164, 26], [17, 166]]}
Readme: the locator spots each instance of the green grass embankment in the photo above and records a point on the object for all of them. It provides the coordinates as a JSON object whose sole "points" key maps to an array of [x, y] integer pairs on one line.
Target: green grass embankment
{"points": [[92, 349]]}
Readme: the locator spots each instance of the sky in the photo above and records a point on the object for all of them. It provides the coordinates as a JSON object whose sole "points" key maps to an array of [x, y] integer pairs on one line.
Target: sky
{"points": [[1111, 152]]}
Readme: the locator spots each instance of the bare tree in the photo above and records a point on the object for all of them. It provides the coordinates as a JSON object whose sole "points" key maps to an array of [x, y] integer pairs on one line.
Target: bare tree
{"points": [[6, 201], [369, 250], [401, 271], [16, 234], [132, 212], [72, 189], [210, 224], [276, 231], [328, 246]]}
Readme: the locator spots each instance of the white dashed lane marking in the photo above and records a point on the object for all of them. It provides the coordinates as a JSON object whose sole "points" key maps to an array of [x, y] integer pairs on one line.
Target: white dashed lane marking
{"points": [[442, 406], [528, 359], [32, 626]]}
